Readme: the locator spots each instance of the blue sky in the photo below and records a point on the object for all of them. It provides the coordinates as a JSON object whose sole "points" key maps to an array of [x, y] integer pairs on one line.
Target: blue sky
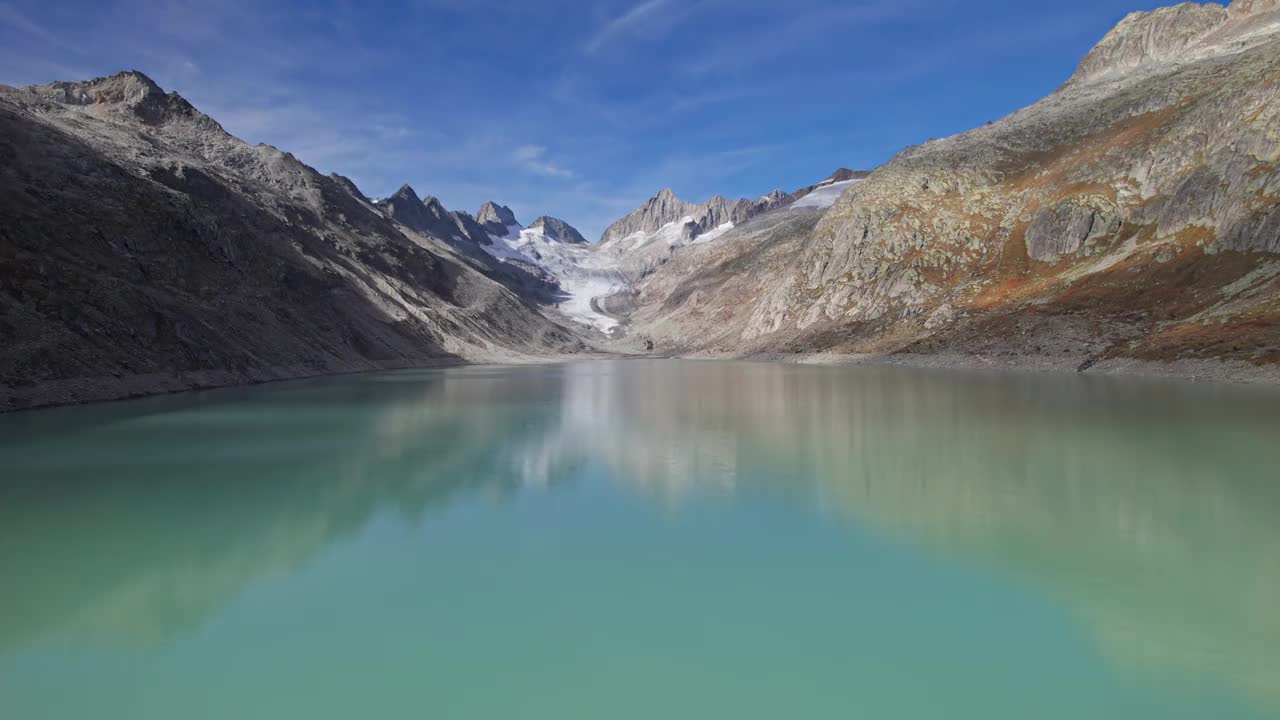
{"points": [[580, 110]]}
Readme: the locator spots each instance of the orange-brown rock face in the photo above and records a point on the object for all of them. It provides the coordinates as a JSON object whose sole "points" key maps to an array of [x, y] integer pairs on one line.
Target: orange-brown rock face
{"points": [[1133, 214]]}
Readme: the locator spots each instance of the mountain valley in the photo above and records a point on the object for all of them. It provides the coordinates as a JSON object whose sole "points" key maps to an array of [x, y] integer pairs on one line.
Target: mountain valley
{"points": [[1128, 222]]}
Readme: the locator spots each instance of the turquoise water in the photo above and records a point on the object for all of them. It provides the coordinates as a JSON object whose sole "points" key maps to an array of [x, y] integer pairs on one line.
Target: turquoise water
{"points": [[646, 539]]}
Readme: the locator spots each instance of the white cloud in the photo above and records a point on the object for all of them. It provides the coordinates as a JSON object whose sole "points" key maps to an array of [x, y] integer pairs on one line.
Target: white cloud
{"points": [[627, 22], [801, 28], [533, 159], [527, 153]]}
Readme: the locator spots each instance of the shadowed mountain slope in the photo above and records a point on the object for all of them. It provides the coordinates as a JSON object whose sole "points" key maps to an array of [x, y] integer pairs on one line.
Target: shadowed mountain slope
{"points": [[144, 249]]}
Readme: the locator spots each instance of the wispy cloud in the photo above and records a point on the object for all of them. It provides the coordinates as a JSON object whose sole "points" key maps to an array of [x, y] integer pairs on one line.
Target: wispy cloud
{"points": [[14, 18], [802, 27], [634, 18], [533, 158]]}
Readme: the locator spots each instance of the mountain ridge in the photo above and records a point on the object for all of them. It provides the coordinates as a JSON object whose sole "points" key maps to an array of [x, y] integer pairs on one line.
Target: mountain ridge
{"points": [[665, 208], [1125, 221], [558, 229], [144, 250], [1169, 35], [1130, 219]]}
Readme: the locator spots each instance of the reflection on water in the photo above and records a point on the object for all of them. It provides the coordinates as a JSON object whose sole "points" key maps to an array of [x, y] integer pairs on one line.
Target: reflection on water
{"points": [[139, 525], [1150, 512], [1153, 513]]}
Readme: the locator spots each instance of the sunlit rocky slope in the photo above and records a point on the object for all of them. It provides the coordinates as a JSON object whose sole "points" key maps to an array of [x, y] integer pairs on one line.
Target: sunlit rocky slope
{"points": [[1128, 221], [1132, 216]]}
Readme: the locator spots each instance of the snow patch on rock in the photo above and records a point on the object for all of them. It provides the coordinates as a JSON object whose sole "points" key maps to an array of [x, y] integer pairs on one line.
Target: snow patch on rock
{"points": [[825, 196], [584, 274]]}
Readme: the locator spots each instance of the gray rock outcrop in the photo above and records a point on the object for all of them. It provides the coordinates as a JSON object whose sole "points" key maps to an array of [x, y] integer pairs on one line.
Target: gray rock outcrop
{"points": [[1166, 37], [558, 230], [666, 208], [469, 229], [1065, 228], [1149, 37], [656, 212], [405, 207], [495, 218]]}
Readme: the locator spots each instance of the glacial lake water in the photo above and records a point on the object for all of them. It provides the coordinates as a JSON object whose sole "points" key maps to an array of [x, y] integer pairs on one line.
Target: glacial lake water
{"points": [[646, 539]]}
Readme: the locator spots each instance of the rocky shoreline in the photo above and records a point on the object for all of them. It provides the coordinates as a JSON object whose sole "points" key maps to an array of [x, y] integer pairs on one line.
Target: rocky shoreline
{"points": [[1193, 370], [93, 390], [81, 391]]}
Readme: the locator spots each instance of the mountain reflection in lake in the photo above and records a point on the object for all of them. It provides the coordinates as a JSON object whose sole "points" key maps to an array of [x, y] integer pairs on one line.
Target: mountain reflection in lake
{"points": [[671, 492]]}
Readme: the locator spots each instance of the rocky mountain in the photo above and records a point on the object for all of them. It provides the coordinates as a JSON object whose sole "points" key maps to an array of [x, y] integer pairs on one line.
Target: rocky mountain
{"points": [[843, 175], [1170, 36], [469, 229], [429, 216], [659, 210], [1129, 220], [144, 249], [582, 274], [406, 208], [557, 229], [665, 208], [596, 281], [348, 185], [495, 218], [471, 240]]}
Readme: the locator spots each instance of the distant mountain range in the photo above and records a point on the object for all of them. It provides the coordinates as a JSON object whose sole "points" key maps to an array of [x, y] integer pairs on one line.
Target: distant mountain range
{"points": [[1127, 222]]}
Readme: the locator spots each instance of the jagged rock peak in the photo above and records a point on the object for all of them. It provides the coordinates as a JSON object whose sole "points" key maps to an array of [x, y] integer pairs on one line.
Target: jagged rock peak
{"points": [[434, 206], [491, 212], [424, 216], [349, 185], [657, 211], [667, 202], [469, 228], [557, 229], [1176, 34], [1145, 37], [406, 192], [130, 91], [843, 175], [1249, 7], [130, 86], [666, 207]]}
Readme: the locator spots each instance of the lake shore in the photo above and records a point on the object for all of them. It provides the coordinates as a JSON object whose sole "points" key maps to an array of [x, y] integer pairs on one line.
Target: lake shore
{"points": [[1194, 370], [78, 391], [91, 390]]}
